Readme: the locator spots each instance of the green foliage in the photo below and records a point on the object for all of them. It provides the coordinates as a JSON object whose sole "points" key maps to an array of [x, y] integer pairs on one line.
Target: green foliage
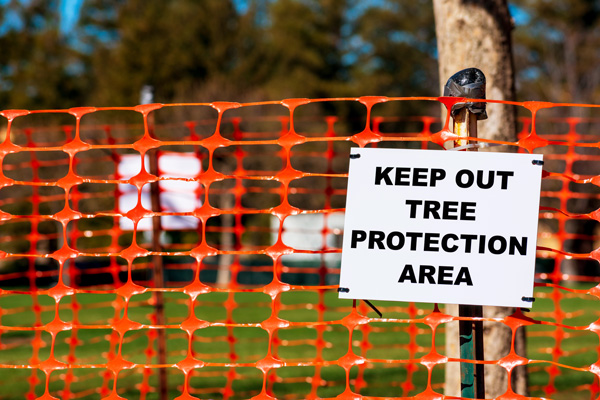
{"points": [[169, 45], [211, 50], [396, 51], [37, 65], [304, 39]]}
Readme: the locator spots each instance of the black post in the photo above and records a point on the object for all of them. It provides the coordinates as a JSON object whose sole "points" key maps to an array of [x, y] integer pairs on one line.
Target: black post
{"points": [[469, 83]]}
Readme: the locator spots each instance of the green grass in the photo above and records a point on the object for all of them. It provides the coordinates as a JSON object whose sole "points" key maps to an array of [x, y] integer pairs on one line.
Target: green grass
{"points": [[579, 347], [247, 344]]}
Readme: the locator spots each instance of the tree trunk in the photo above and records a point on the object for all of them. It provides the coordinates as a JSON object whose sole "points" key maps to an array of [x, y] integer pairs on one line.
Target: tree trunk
{"points": [[477, 33]]}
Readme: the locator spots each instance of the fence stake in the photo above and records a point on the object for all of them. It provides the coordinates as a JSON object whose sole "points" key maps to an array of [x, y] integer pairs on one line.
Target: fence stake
{"points": [[147, 96], [469, 83]]}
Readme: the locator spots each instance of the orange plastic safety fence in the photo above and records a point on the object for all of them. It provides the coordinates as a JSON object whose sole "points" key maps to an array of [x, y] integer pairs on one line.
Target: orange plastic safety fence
{"points": [[251, 203]]}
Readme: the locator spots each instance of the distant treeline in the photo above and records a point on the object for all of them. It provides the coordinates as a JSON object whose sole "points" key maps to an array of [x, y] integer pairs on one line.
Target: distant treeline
{"points": [[236, 50]]}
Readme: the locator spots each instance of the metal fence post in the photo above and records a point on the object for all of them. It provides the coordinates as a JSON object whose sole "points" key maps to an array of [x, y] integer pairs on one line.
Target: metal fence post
{"points": [[469, 83]]}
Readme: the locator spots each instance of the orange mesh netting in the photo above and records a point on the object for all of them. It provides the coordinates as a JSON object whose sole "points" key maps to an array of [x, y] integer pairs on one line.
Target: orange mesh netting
{"points": [[201, 243]]}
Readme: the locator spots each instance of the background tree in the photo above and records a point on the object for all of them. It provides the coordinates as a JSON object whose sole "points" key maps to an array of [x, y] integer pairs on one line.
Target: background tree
{"points": [[558, 45], [557, 48], [395, 50], [176, 47], [305, 41], [39, 68]]}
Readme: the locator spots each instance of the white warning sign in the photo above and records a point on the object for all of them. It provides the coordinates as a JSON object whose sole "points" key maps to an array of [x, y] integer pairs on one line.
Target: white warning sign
{"points": [[441, 226]]}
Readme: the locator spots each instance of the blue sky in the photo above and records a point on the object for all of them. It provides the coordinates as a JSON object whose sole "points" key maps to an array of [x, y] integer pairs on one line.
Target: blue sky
{"points": [[70, 12]]}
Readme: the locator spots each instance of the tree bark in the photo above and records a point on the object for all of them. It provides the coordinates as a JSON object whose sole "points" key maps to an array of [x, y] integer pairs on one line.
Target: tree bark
{"points": [[477, 33]]}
